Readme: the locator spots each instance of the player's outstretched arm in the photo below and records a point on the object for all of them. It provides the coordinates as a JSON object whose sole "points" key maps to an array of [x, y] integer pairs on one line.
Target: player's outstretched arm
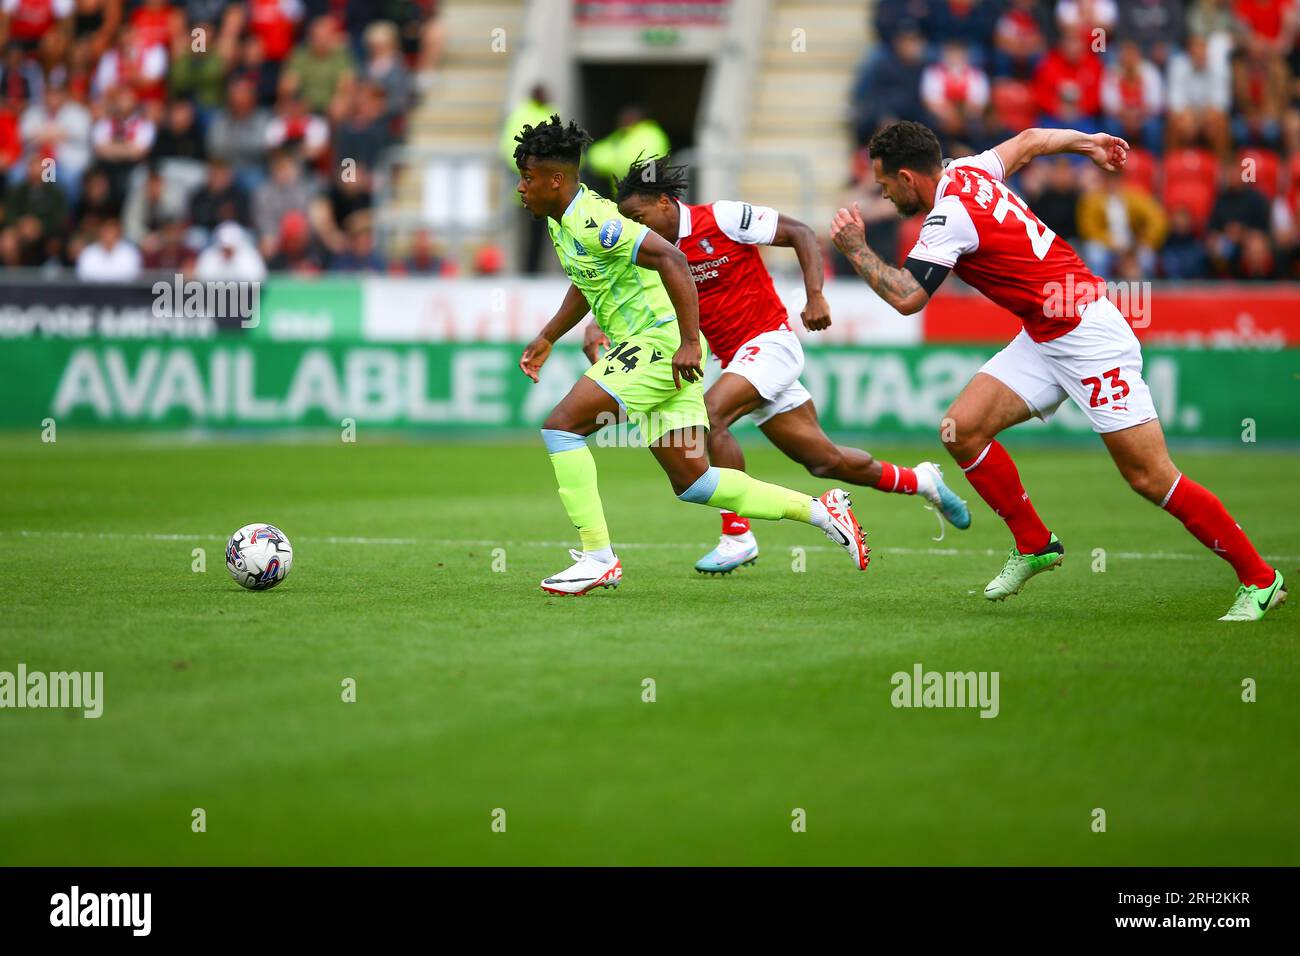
{"points": [[898, 287], [670, 262], [791, 232], [1108, 152], [571, 311]]}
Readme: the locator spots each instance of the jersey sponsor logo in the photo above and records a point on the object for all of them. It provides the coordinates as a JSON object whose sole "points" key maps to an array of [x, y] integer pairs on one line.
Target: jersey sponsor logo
{"points": [[746, 215], [610, 232], [706, 246], [935, 221]]}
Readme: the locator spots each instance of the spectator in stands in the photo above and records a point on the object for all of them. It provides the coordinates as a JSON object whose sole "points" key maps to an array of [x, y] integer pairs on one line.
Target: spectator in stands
{"points": [[179, 136], [1183, 254], [1067, 85], [1133, 96], [220, 199], [253, 65], [889, 86], [135, 65], [201, 75], [110, 258], [359, 253], [294, 127], [1019, 40], [1053, 189], [230, 256], [422, 258], [1256, 260], [1158, 27], [21, 80], [364, 133], [35, 212], [1270, 25], [23, 23], [956, 95], [1260, 80], [1200, 97], [1116, 219], [334, 213], [1238, 211], [534, 108], [966, 23], [151, 205], [274, 23], [294, 249], [237, 133], [59, 127], [285, 190], [322, 65], [94, 26], [166, 249], [122, 138], [385, 66], [636, 135]]}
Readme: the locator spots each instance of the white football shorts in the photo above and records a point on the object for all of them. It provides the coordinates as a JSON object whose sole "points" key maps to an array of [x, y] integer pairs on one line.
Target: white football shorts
{"points": [[772, 362], [1098, 364]]}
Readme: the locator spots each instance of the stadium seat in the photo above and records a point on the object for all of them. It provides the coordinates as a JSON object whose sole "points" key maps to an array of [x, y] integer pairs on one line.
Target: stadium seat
{"points": [[1268, 169], [1293, 184], [1191, 177], [1142, 170], [1013, 104]]}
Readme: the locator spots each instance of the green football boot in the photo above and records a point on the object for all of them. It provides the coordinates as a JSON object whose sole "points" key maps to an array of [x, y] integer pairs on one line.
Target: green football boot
{"points": [[1253, 601], [1021, 567]]}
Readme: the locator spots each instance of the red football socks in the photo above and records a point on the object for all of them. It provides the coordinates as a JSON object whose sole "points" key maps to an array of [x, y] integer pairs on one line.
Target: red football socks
{"points": [[1205, 517], [993, 474], [734, 524], [896, 478]]}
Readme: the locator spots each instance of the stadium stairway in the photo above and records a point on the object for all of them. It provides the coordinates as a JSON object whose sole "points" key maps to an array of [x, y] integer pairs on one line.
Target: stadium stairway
{"points": [[462, 110], [800, 103]]}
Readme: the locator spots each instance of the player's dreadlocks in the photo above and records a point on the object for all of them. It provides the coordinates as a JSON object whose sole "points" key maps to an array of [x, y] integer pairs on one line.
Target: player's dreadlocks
{"points": [[652, 177], [551, 139]]}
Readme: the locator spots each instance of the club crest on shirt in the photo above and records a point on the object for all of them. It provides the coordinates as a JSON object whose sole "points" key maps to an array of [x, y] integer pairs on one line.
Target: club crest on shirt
{"points": [[578, 248], [706, 246]]}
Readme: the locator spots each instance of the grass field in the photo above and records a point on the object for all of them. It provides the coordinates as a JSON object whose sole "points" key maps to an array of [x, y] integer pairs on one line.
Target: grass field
{"points": [[1118, 690]]}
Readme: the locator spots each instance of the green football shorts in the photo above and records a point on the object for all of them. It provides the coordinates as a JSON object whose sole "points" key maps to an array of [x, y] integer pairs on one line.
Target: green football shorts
{"points": [[638, 372]]}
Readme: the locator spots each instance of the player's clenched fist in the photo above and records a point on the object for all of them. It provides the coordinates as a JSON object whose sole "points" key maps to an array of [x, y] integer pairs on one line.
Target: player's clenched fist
{"points": [[686, 363], [535, 354], [848, 231], [816, 313]]}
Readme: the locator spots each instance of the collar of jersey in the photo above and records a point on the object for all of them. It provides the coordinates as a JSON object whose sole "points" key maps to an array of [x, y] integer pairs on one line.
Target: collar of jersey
{"points": [[683, 221], [582, 187]]}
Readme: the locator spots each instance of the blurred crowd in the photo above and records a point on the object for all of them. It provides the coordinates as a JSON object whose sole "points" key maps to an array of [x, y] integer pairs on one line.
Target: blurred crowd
{"points": [[211, 137], [1207, 92]]}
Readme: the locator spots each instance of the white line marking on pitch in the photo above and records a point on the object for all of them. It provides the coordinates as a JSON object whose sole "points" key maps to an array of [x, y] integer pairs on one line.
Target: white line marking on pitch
{"points": [[637, 545]]}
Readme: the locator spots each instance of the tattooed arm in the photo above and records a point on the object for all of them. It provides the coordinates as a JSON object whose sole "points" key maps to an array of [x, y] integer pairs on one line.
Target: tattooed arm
{"points": [[898, 287]]}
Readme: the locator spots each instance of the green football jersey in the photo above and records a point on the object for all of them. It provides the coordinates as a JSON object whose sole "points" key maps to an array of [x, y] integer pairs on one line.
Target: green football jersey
{"points": [[598, 248]]}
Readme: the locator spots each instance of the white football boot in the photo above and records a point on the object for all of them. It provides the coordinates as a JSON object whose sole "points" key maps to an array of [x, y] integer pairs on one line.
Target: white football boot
{"points": [[733, 551], [587, 574], [842, 527]]}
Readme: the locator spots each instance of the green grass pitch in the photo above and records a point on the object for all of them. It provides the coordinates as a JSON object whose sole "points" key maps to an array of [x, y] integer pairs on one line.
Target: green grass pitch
{"points": [[1118, 689]]}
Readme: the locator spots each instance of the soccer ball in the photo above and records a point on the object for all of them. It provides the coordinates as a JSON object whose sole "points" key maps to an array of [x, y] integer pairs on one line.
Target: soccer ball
{"points": [[259, 556]]}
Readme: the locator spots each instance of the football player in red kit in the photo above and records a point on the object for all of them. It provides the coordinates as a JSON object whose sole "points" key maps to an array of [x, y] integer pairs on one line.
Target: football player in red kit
{"points": [[748, 331], [978, 228]]}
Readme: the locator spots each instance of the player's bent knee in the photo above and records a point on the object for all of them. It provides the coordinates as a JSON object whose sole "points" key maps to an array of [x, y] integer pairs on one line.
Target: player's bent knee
{"points": [[825, 466]]}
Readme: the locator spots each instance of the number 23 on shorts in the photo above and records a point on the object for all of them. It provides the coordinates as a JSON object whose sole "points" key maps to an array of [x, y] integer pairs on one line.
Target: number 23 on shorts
{"points": [[1120, 386]]}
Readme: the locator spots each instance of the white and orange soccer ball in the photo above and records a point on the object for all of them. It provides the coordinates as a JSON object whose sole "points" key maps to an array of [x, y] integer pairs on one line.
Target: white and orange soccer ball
{"points": [[259, 556]]}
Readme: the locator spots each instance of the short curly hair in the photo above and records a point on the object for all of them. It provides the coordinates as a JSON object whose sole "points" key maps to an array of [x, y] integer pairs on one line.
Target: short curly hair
{"points": [[906, 145], [654, 176], [551, 139]]}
